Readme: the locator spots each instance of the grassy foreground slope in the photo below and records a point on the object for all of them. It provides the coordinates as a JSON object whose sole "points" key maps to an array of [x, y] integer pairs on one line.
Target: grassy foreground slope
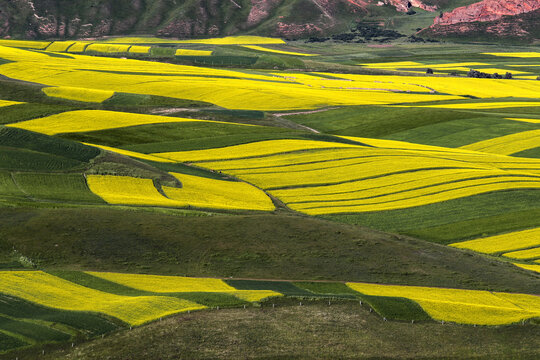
{"points": [[342, 330]]}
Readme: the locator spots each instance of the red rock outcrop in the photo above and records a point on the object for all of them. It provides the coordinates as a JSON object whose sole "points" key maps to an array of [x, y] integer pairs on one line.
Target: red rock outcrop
{"points": [[487, 10]]}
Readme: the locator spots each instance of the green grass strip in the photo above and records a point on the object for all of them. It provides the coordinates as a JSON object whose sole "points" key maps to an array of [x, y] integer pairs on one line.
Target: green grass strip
{"points": [[518, 209], [35, 332], [10, 343], [87, 323]]}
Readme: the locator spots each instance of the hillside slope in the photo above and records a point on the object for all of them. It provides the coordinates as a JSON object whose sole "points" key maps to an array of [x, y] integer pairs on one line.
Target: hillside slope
{"points": [[40, 19]]}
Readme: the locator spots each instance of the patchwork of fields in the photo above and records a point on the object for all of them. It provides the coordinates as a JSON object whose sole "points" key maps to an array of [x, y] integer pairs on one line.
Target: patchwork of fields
{"points": [[445, 159]]}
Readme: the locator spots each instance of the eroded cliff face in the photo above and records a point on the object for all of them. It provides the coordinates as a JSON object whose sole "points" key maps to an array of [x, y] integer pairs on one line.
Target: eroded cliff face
{"points": [[487, 10], [40, 19]]}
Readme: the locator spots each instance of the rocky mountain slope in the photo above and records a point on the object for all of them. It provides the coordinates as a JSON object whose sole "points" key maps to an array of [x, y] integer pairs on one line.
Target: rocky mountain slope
{"points": [[45, 19]]}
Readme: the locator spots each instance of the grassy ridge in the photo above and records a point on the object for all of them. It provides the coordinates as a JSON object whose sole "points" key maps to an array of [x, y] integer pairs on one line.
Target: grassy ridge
{"points": [[342, 330], [244, 246]]}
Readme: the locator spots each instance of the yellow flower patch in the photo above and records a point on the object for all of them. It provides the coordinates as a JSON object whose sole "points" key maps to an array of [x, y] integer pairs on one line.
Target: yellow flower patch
{"points": [[188, 52], [4, 103], [78, 94], [509, 144], [50, 291], [535, 268], [139, 49], [249, 150], [127, 190], [524, 254], [92, 120], [218, 194], [261, 48], [106, 48], [461, 306], [178, 284], [504, 242]]}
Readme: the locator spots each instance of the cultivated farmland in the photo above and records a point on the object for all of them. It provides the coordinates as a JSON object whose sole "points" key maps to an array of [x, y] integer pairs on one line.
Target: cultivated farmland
{"points": [[149, 182]]}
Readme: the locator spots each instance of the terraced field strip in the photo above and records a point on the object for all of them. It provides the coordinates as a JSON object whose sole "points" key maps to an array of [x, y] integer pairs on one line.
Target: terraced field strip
{"points": [[283, 52], [137, 49], [534, 121], [132, 154], [228, 40], [509, 144], [51, 291], [479, 106], [107, 48], [92, 120], [82, 322], [515, 54], [226, 88], [177, 284], [24, 44], [60, 46], [361, 179], [217, 194], [503, 243], [261, 148], [190, 52], [524, 254], [4, 103], [78, 94], [535, 268], [125, 190], [461, 306], [56, 187], [78, 47]]}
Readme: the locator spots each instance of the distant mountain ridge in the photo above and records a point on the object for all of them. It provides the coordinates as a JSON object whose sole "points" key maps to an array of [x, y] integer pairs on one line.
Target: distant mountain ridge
{"points": [[53, 19]]}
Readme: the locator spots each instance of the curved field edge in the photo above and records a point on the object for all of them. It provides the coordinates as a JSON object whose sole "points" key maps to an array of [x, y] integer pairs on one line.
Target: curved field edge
{"points": [[459, 219]]}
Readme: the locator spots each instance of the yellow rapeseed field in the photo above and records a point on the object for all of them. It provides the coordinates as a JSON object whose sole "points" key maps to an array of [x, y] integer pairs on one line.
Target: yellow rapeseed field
{"points": [[261, 48], [107, 48], [503, 242], [51, 291], [533, 121], [92, 120], [250, 150], [486, 105], [229, 40], [509, 144], [165, 284], [516, 54], [227, 88], [127, 190], [25, 44], [189, 52], [524, 254], [60, 46], [4, 103], [218, 194], [78, 94], [78, 47], [461, 306], [139, 49], [531, 267], [178, 284], [132, 154]]}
